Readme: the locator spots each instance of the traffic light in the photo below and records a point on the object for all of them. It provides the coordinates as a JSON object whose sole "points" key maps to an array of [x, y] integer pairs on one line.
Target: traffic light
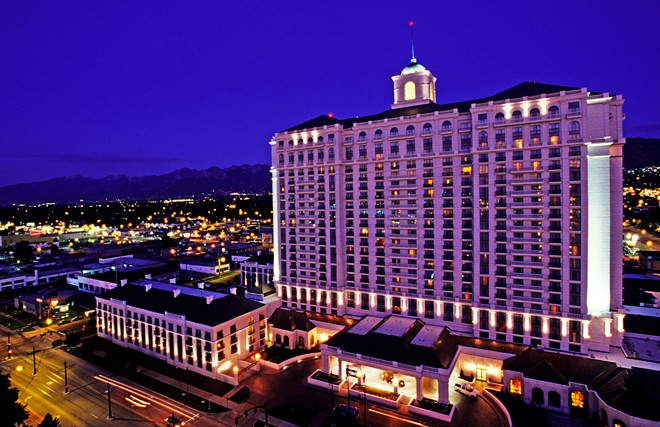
{"points": [[9, 351]]}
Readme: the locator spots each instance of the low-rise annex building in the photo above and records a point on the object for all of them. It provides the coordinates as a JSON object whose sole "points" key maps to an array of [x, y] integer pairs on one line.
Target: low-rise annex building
{"points": [[411, 359], [205, 332]]}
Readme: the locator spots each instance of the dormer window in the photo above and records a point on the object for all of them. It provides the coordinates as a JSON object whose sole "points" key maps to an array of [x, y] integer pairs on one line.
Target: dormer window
{"points": [[409, 91]]}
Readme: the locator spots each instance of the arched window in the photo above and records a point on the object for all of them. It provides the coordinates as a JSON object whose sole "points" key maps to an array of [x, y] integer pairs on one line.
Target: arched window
{"points": [[499, 117], [378, 134], [574, 128], [553, 399], [278, 339], [483, 138], [291, 143], [446, 125], [301, 342], [409, 91], [577, 399], [362, 136], [515, 386], [553, 111], [331, 154], [427, 127], [310, 140], [285, 341], [394, 132], [618, 423], [281, 159], [410, 130], [516, 116], [537, 396], [300, 141], [320, 140], [534, 113]]}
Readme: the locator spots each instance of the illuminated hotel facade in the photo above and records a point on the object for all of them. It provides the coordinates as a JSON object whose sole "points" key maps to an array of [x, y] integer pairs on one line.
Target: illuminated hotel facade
{"points": [[500, 218]]}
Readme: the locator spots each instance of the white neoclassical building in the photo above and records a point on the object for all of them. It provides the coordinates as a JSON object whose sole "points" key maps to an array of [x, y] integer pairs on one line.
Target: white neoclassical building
{"points": [[206, 332], [498, 217]]}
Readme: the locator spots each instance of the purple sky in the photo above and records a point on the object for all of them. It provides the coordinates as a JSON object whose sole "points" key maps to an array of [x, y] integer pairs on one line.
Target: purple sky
{"points": [[137, 88]]}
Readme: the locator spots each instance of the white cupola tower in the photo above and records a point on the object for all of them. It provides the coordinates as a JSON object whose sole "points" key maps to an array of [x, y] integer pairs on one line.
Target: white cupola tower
{"points": [[415, 85]]}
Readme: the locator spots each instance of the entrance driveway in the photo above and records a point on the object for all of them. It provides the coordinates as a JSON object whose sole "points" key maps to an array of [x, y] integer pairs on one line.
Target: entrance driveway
{"points": [[289, 388]]}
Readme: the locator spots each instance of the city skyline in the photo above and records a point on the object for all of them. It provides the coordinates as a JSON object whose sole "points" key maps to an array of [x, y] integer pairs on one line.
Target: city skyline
{"points": [[143, 90]]}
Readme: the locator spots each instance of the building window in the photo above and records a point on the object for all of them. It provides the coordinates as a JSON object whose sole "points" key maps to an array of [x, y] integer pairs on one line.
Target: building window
{"points": [[394, 132], [516, 116], [446, 144], [553, 111], [409, 91], [515, 386], [426, 127], [574, 128], [410, 147], [577, 399], [378, 134], [553, 399], [534, 113], [499, 118]]}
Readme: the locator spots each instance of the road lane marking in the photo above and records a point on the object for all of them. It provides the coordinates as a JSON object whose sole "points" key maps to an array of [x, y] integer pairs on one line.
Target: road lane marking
{"points": [[45, 392], [143, 395]]}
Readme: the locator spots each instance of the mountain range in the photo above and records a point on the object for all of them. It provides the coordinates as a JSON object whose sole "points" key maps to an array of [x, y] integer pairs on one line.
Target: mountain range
{"points": [[180, 183], [638, 152]]}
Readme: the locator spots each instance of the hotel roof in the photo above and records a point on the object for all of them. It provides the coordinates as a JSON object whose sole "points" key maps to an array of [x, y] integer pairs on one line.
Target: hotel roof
{"points": [[197, 305], [518, 91]]}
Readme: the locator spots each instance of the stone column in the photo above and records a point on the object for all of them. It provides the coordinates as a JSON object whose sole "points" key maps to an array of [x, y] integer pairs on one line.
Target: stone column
{"points": [[443, 390], [325, 363], [420, 390]]}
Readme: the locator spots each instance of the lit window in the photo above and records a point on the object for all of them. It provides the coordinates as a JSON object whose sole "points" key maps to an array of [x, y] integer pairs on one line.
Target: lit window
{"points": [[515, 386], [409, 91], [577, 399]]}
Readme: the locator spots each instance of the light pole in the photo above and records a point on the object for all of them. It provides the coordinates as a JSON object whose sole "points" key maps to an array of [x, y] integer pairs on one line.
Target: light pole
{"points": [[109, 417], [66, 380], [34, 361]]}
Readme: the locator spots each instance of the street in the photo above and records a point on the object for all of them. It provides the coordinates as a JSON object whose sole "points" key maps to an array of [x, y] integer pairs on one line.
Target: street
{"points": [[87, 402]]}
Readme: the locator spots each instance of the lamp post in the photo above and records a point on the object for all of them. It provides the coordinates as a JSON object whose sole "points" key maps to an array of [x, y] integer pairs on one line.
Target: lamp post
{"points": [[109, 417], [66, 380], [34, 361]]}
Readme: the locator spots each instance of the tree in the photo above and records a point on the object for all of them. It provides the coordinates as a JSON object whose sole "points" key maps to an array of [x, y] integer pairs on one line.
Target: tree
{"points": [[13, 413], [49, 421], [23, 251]]}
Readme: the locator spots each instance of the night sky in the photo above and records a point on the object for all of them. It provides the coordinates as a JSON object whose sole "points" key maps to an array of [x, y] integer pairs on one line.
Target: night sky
{"points": [[97, 88]]}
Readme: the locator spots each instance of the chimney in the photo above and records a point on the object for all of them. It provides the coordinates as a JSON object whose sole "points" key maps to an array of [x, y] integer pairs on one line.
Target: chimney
{"points": [[176, 292]]}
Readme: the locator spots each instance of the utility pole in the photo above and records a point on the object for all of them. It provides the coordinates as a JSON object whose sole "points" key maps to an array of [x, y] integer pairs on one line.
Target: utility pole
{"points": [[66, 380], [8, 345], [34, 360], [110, 417]]}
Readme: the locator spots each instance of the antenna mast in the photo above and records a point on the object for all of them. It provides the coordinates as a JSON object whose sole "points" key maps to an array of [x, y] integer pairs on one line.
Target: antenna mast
{"points": [[412, 41]]}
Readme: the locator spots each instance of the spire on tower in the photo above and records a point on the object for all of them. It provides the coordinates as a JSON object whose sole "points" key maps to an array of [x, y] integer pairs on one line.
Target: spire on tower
{"points": [[412, 41]]}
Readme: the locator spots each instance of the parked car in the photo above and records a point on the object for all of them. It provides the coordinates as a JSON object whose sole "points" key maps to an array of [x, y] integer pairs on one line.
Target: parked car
{"points": [[64, 322], [466, 389]]}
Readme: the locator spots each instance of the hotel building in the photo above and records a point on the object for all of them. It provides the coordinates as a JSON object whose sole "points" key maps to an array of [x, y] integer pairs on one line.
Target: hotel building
{"points": [[499, 217]]}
